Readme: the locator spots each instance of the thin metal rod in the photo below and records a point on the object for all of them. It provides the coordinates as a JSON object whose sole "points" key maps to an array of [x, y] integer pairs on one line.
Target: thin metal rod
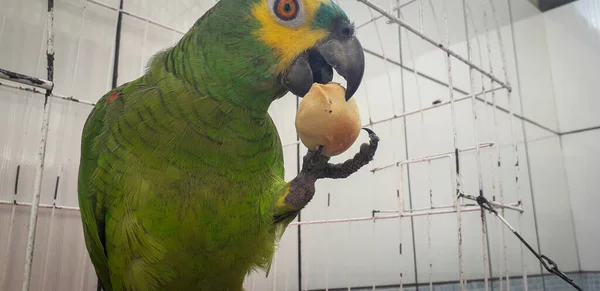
{"points": [[27, 80], [513, 139], [497, 170], [49, 206], [383, 217], [33, 90], [495, 175], [74, 100], [484, 234], [400, 187], [395, 19], [497, 204], [526, 147], [41, 156], [117, 47], [513, 206], [457, 183], [397, 8], [432, 157]]}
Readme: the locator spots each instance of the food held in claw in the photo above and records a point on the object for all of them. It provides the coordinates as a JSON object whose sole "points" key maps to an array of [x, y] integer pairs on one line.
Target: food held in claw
{"points": [[325, 118]]}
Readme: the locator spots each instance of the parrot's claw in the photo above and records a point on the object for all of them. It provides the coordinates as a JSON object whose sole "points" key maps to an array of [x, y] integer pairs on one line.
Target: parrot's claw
{"points": [[314, 160], [319, 151], [318, 165], [317, 157]]}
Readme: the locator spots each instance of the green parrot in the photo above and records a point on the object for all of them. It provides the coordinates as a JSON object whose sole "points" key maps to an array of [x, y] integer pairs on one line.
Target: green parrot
{"points": [[181, 179]]}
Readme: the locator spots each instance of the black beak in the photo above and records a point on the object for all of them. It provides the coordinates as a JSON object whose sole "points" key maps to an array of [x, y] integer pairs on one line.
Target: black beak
{"points": [[343, 53]]}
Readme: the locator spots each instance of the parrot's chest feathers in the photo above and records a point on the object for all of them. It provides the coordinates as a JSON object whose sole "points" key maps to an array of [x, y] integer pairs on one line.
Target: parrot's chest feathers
{"points": [[203, 135]]}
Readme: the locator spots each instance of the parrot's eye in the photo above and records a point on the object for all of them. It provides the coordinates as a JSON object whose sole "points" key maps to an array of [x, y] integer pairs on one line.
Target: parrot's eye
{"points": [[286, 9], [288, 12]]}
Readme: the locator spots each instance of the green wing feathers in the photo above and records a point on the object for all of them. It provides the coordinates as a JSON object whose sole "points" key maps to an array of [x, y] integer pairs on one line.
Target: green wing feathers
{"points": [[91, 200]]}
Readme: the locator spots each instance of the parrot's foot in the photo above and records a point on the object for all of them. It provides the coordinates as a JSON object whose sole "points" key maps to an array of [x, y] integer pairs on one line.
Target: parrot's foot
{"points": [[317, 165]]}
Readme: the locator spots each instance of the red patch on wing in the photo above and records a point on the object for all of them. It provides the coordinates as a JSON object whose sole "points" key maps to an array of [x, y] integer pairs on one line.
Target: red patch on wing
{"points": [[112, 97]]}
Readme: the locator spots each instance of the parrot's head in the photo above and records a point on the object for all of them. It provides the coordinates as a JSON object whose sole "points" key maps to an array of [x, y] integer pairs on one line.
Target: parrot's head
{"points": [[271, 47], [310, 38]]}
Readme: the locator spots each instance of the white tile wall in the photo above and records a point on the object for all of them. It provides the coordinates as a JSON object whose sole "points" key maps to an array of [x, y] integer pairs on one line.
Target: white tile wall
{"points": [[539, 102], [573, 33], [582, 163]]}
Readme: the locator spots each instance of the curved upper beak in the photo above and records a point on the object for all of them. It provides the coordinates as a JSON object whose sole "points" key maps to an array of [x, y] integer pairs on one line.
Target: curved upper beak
{"points": [[344, 55]]}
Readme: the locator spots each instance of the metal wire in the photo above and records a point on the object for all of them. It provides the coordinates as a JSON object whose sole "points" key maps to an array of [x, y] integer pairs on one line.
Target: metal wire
{"points": [[548, 264]]}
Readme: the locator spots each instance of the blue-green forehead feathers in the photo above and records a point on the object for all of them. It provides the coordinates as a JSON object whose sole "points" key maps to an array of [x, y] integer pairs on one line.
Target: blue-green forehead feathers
{"points": [[327, 15]]}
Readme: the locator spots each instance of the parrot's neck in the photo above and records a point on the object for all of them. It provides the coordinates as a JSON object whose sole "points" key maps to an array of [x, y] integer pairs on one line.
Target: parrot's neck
{"points": [[206, 63]]}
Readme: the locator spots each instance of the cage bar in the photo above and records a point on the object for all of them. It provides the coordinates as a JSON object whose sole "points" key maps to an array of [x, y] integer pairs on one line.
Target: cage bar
{"points": [[512, 128], [26, 80], [497, 169], [36, 197], [432, 157], [41, 156], [52, 95], [518, 192], [457, 179], [484, 237], [41, 205]]}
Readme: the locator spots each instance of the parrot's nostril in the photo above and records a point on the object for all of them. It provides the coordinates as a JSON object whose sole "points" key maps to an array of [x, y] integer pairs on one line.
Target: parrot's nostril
{"points": [[346, 31]]}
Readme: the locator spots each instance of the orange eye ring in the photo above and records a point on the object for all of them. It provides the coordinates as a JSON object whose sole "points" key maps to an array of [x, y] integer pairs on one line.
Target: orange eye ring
{"points": [[286, 9]]}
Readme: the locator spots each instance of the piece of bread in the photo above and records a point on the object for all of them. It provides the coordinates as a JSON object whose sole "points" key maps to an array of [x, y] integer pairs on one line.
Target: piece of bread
{"points": [[325, 118]]}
